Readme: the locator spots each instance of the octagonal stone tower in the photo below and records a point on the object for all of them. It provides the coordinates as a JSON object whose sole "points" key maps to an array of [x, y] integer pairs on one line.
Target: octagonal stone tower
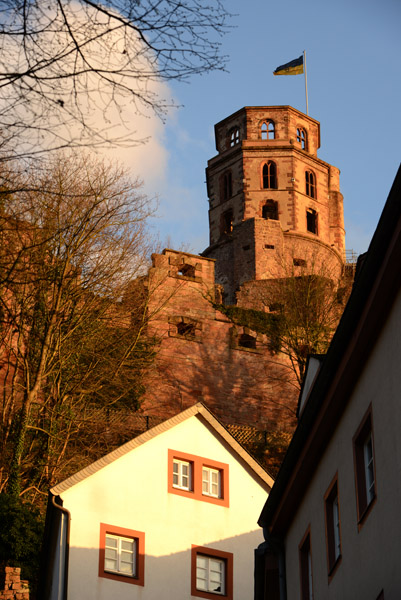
{"points": [[274, 206]]}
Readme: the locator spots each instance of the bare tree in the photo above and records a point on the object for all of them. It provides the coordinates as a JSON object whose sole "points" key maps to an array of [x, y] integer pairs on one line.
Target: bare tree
{"points": [[62, 62], [299, 307], [72, 323]]}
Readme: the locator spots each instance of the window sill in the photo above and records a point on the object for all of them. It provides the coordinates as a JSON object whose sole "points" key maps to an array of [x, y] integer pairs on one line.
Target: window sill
{"points": [[366, 513], [334, 568]]}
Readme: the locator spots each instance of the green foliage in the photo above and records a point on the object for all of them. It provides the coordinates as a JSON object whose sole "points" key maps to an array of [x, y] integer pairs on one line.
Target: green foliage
{"points": [[21, 534], [270, 324]]}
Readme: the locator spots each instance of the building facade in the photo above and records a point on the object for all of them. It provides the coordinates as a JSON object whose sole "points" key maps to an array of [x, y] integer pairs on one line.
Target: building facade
{"points": [[331, 523], [171, 514]]}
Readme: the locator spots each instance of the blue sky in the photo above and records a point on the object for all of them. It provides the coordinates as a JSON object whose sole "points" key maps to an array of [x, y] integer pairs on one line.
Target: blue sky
{"points": [[353, 54]]}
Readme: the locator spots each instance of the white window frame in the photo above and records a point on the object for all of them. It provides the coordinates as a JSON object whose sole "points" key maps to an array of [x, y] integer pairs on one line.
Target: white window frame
{"points": [[368, 461], [210, 487], [336, 528], [119, 555], [180, 476], [207, 577]]}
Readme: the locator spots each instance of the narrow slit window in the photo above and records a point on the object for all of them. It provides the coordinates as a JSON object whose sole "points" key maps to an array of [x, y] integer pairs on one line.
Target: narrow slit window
{"points": [[227, 222]]}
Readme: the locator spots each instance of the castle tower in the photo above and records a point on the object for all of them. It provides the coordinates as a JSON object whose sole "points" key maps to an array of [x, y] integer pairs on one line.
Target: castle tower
{"points": [[274, 205]]}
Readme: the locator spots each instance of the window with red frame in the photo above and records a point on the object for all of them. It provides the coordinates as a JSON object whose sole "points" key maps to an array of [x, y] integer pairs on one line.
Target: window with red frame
{"points": [[211, 573], [121, 554], [198, 478]]}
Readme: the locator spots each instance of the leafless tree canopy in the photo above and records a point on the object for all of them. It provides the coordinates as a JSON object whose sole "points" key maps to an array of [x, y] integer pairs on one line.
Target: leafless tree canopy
{"points": [[72, 316], [64, 61]]}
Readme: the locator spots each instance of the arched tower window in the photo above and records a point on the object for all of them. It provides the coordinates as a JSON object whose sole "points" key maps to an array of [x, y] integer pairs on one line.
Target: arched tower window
{"points": [[234, 136], [226, 186], [310, 184], [269, 176], [267, 130], [270, 210], [301, 137]]}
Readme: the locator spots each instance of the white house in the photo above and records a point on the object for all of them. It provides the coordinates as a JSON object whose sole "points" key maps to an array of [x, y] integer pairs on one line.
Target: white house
{"points": [[332, 522], [172, 514]]}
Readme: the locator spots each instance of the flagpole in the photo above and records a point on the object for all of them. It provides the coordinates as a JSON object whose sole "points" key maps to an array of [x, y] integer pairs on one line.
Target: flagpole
{"points": [[306, 84]]}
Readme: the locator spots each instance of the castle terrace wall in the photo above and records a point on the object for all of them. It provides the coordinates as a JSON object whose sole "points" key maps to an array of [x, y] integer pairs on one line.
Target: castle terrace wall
{"points": [[241, 385]]}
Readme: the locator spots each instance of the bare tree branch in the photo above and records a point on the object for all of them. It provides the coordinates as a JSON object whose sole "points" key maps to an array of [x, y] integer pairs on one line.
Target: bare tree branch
{"points": [[72, 70]]}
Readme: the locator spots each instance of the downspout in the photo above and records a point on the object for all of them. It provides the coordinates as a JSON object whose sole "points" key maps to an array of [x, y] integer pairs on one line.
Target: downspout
{"points": [[53, 575], [64, 548], [274, 547]]}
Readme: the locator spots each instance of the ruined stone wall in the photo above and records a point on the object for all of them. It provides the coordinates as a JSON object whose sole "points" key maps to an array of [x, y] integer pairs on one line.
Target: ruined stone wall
{"points": [[260, 231], [11, 585], [206, 361]]}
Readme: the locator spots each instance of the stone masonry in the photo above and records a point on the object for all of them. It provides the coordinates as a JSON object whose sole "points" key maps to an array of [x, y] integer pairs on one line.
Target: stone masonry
{"points": [[12, 587], [275, 211], [258, 224], [203, 356]]}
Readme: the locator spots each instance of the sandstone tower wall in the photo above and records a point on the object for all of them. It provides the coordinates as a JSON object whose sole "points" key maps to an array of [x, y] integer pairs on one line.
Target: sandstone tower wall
{"points": [[275, 212], [266, 170]]}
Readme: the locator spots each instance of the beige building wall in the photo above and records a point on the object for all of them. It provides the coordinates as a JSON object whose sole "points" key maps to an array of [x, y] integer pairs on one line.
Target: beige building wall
{"points": [[131, 492], [368, 562]]}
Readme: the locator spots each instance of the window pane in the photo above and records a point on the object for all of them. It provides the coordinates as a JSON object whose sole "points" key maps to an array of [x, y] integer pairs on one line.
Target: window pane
{"points": [[210, 574], [110, 553], [127, 557], [119, 555], [127, 545], [110, 565]]}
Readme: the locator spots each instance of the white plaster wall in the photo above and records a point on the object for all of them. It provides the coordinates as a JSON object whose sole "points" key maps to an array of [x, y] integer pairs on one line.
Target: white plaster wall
{"points": [[132, 493], [370, 558]]}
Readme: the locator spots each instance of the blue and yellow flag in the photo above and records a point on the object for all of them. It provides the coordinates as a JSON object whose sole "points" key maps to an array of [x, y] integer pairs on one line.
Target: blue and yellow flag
{"points": [[295, 67]]}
